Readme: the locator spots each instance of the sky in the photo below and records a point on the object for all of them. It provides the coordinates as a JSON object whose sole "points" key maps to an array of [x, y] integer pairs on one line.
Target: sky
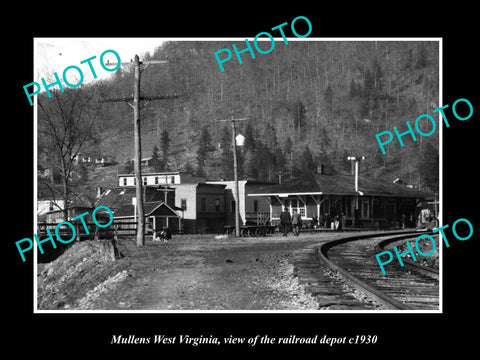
{"points": [[55, 54]]}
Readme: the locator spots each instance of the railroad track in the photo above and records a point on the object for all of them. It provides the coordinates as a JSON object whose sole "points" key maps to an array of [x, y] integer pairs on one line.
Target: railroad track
{"points": [[344, 274]]}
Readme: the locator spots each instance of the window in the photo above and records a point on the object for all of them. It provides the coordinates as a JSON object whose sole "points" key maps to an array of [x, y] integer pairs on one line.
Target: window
{"points": [[365, 208], [232, 206], [295, 204], [255, 206], [217, 205], [144, 181], [203, 205], [348, 207], [124, 181], [183, 204], [378, 210], [156, 180]]}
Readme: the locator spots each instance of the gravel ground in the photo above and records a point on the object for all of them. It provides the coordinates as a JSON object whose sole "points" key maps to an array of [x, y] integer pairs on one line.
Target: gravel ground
{"points": [[188, 273], [426, 247]]}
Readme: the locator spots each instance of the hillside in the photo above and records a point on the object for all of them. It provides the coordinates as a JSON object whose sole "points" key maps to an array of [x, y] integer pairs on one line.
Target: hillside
{"points": [[309, 103]]}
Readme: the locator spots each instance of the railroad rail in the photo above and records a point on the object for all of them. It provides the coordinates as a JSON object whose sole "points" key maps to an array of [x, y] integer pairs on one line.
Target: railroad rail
{"points": [[344, 274], [414, 266]]}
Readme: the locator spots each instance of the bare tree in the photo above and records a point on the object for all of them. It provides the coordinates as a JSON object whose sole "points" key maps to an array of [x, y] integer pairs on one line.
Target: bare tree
{"points": [[65, 127]]}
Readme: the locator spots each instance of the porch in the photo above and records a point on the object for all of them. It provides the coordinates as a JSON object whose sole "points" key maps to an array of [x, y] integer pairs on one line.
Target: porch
{"points": [[318, 210]]}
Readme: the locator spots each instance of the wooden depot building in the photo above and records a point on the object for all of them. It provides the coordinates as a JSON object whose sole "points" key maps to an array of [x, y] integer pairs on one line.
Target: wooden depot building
{"points": [[376, 203]]}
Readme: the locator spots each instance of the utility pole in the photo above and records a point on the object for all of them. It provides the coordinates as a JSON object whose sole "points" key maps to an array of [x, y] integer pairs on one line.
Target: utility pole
{"points": [[137, 138], [357, 160], [137, 165], [235, 174]]}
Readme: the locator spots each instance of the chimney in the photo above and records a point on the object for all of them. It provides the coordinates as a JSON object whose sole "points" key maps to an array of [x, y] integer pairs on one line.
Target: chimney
{"points": [[99, 191], [321, 169]]}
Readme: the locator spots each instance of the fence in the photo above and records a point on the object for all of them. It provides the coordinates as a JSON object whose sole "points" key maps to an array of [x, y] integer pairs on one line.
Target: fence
{"points": [[118, 229], [114, 231]]}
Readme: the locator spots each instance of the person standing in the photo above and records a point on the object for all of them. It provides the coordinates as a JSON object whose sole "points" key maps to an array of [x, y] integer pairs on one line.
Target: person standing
{"points": [[285, 220], [328, 220], [343, 222], [296, 222], [336, 222]]}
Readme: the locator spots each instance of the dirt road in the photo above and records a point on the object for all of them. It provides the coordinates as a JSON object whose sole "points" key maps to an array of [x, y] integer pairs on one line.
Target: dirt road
{"points": [[189, 273]]}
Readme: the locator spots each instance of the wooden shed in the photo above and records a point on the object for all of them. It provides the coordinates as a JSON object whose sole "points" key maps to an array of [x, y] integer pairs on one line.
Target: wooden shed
{"points": [[158, 214]]}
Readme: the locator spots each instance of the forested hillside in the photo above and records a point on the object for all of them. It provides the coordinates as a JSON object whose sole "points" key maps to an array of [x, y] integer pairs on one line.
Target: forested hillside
{"points": [[309, 103]]}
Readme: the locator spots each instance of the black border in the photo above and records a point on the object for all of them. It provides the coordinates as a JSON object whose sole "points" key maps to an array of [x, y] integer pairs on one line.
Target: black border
{"points": [[89, 333]]}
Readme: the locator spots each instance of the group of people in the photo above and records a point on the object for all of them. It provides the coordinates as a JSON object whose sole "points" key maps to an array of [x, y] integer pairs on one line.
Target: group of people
{"points": [[338, 222], [294, 221], [287, 221]]}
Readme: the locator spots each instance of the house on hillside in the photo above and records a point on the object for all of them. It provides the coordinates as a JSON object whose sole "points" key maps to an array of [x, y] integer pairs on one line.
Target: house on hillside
{"points": [[97, 160], [103, 161], [159, 178], [377, 203]]}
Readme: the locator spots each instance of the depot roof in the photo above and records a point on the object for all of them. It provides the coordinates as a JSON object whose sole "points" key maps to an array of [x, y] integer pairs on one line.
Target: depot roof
{"points": [[323, 184]]}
